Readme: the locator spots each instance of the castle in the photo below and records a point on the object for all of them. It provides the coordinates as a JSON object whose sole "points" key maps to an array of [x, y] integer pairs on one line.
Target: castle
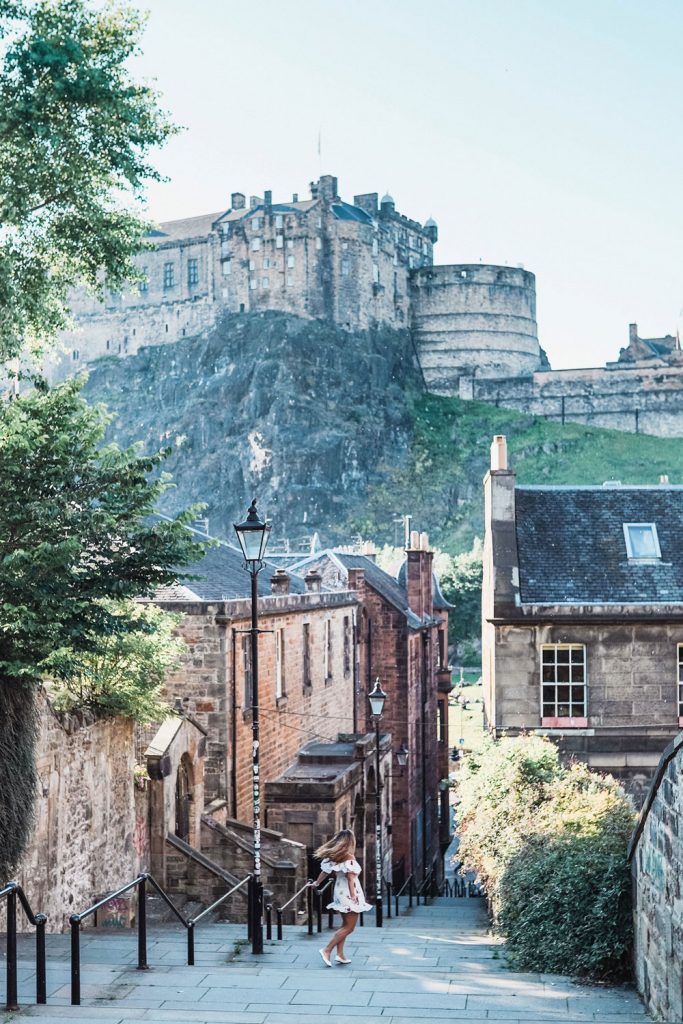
{"points": [[364, 263]]}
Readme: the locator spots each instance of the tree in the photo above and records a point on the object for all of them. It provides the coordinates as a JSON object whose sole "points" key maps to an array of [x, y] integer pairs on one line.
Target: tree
{"points": [[77, 537], [461, 585], [124, 672], [75, 134]]}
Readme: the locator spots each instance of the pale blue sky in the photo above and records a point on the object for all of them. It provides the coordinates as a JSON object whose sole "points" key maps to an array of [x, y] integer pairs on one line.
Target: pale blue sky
{"points": [[542, 132]]}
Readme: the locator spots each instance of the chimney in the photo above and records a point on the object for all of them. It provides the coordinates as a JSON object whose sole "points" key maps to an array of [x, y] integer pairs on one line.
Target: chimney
{"points": [[254, 201], [295, 197], [419, 574], [632, 333], [327, 187], [369, 202], [499, 453], [268, 199], [313, 581], [279, 582], [238, 201], [356, 581], [664, 479]]}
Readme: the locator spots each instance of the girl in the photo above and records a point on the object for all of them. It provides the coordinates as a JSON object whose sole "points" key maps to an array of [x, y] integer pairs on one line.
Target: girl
{"points": [[337, 857]]}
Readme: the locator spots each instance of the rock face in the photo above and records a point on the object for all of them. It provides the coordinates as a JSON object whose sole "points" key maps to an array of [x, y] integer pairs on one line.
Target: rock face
{"points": [[300, 413]]}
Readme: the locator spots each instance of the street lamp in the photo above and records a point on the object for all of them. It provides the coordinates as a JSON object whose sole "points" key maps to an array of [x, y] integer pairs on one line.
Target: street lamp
{"points": [[252, 535], [402, 755], [377, 698]]}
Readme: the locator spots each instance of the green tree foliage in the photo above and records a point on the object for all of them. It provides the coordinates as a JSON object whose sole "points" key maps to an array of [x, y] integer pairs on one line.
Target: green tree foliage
{"points": [[77, 536], [461, 585], [549, 843], [123, 673], [75, 134]]}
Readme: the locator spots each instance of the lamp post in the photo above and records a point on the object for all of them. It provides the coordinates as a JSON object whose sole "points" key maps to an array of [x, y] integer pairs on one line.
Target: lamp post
{"points": [[377, 698], [252, 535]]}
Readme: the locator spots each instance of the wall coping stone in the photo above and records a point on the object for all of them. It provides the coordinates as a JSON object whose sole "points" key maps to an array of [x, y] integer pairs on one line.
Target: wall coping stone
{"points": [[667, 757]]}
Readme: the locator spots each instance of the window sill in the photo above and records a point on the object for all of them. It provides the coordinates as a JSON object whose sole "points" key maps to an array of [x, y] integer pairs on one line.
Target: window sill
{"points": [[564, 723], [281, 702], [329, 680]]}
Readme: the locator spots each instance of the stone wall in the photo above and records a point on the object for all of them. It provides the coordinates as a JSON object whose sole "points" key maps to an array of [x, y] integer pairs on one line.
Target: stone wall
{"points": [[656, 855], [90, 832], [646, 400]]}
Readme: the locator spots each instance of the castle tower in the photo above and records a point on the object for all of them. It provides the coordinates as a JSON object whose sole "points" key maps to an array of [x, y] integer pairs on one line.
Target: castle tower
{"points": [[474, 320]]}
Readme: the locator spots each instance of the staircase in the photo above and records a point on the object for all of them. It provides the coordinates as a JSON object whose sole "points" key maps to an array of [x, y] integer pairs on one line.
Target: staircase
{"points": [[437, 963]]}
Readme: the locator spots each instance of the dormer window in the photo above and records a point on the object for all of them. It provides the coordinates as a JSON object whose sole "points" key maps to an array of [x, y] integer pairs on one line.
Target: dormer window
{"points": [[642, 541]]}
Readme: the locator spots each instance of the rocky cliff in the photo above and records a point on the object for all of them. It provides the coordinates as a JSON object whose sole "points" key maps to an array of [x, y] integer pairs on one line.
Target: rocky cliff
{"points": [[333, 432], [297, 412]]}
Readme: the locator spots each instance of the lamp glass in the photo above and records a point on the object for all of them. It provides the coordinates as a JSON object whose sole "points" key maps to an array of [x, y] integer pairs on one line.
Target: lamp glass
{"points": [[377, 698], [252, 535], [402, 756]]}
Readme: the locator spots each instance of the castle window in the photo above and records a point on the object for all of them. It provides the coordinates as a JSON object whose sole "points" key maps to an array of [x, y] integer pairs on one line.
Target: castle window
{"points": [[75, 355], [225, 247], [265, 283], [375, 247], [463, 273], [144, 284], [255, 223], [192, 272], [169, 276], [255, 244], [279, 241], [108, 344], [279, 220], [290, 281], [563, 684], [290, 261], [345, 245], [375, 273], [227, 268], [345, 268], [320, 222], [266, 263], [642, 541], [252, 264], [290, 243], [252, 283], [318, 242]]}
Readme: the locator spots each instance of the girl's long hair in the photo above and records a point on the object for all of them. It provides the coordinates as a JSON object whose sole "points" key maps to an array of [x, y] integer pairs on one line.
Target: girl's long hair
{"points": [[339, 848]]}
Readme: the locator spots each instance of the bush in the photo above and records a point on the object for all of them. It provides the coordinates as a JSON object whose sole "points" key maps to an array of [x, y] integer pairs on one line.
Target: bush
{"points": [[549, 843]]}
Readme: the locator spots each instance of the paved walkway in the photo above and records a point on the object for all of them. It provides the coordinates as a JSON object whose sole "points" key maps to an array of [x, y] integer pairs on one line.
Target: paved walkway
{"points": [[436, 964]]}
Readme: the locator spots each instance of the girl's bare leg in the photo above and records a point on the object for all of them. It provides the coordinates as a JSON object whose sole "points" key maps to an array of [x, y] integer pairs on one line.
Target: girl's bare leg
{"points": [[348, 924]]}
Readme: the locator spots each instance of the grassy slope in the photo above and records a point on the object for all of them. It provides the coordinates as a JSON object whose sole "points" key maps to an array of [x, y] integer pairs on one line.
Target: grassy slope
{"points": [[439, 482]]}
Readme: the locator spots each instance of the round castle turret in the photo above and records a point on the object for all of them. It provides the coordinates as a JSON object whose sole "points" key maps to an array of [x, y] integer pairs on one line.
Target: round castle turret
{"points": [[474, 320]]}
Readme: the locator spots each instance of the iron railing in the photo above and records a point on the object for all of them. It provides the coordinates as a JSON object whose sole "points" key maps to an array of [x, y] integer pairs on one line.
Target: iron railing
{"points": [[140, 884], [279, 911], [10, 893], [408, 884]]}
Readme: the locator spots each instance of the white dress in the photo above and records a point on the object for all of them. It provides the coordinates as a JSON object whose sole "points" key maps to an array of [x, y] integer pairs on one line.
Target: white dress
{"points": [[341, 897]]}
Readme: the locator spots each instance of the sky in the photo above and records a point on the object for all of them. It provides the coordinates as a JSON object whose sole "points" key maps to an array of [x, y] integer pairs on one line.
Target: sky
{"points": [[546, 133]]}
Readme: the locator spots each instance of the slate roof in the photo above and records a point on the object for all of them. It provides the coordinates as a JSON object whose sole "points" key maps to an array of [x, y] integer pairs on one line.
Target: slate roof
{"points": [[188, 227], [439, 602], [571, 546]]}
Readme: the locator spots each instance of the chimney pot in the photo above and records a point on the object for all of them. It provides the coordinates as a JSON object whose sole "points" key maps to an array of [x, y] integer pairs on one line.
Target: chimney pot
{"points": [[295, 197], [499, 453], [414, 540], [633, 332], [313, 581], [279, 582], [424, 542], [664, 479]]}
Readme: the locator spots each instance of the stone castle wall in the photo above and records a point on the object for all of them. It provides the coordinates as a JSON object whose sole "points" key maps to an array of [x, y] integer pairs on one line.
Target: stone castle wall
{"points": [[656, 855]]}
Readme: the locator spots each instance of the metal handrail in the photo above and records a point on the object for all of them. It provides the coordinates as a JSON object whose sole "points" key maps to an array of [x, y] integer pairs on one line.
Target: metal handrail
{"points": [[426, 884], [388, 887], [308, 889], [408, 882], [10, 892], [319, 906], [140, 883]]}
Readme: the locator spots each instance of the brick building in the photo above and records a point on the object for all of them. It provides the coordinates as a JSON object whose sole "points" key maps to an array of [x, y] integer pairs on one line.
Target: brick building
{"points": [[402, 637], [583, 618]]}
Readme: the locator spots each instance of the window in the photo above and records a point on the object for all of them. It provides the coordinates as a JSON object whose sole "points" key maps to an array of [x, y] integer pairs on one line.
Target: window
{"points": [[144, 284], [375, 247], [255, 244], [347, 645], [255, 223], [290, 261], [327, 654], [192, 272], [169, 276], [306, 647], [248, 676], [440, 722], [563, 684], [227, 268], [345, 246], [642, 540], [265, 283], [75, 355], [375, 273], [225, 247], [279, 241], [279, 220], [290, 243], [290, 281], [252, 284], [680, 684], [318, 242], [266, 263], [280, 690], [252, 264]]}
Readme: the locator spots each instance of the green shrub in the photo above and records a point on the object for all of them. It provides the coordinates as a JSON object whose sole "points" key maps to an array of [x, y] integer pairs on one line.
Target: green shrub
{"points": [[549, 843]]}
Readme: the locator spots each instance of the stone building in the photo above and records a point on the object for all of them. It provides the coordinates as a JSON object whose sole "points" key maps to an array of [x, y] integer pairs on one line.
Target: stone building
{"points": [[582, 610], [402, 637]]}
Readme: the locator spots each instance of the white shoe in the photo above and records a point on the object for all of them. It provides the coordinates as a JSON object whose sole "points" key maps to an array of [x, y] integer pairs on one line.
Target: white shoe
{"points": [[340, 960], [326, 960]]}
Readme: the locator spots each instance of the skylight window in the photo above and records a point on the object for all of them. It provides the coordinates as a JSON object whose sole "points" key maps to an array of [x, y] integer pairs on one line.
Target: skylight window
{"points": [[642, 540]]}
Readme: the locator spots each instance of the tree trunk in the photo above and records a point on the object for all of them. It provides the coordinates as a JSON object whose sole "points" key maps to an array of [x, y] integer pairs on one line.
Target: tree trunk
{"points": [[18, 728]]}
